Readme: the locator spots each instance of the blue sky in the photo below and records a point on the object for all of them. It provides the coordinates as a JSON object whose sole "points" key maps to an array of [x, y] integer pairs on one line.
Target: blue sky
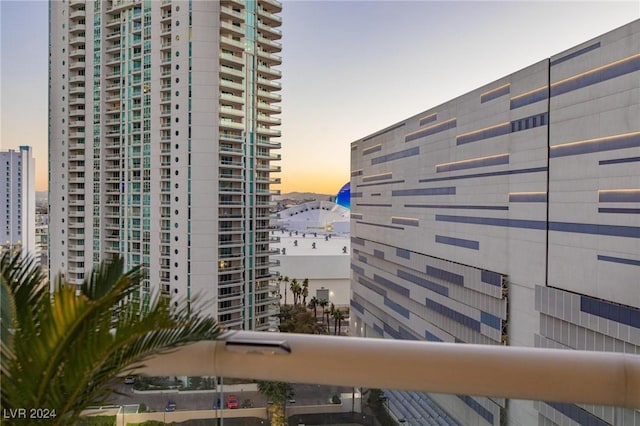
{"points": [[349, 67]]}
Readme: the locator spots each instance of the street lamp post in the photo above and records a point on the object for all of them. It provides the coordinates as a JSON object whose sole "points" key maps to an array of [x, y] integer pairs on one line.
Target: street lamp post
{"points": [[221, 400]]}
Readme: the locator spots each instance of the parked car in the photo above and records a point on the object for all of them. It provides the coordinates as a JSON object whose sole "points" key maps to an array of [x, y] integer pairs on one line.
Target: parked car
{"points": [[171, 406], [232, 401], [129, 380]]}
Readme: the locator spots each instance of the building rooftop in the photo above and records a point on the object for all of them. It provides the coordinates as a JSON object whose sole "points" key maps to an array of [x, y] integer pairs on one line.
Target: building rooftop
{"points": [[303, 243]]}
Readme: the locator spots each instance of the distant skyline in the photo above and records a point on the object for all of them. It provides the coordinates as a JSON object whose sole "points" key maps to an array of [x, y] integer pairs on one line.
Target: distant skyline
{"points": [[349, 68]]}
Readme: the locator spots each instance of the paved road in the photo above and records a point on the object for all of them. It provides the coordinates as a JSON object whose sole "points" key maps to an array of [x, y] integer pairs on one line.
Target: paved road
{"points": [[303, 395]]}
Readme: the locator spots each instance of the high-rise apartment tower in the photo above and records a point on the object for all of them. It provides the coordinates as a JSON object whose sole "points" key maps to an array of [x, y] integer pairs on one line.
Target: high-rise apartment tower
{"points": [[162, 115], [18, 195]]}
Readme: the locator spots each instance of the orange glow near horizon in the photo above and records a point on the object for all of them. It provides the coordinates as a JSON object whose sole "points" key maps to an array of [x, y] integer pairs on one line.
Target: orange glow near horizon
{"points": [[42, 183], [311, 182]]}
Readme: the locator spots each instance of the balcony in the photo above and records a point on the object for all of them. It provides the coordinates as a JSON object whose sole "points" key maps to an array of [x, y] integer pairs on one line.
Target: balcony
{"points": [[230, 59], [269, 144], [231, 112], [165, 30], [268, 120], [230, 190], [76, 4], [78, 13], [232, 98], [269, 84], [76, 53], [76, 89], [275, 109], [77, 157], [270, 32], [113, 87], [76, 112], [237, 255], [269, 18], [229, 13], [269, 45], [231, 177], [266, 204], [115, 22], [226, 71], [113, 75], [269, 96], [231, 283], [114, 60], [232, 45], [231, 309], [231, 125], [74, 29], [77, 65], [266, 154], [114, 47], [113, 34], [231, 85], [112, 98], [77, 79], [224, 136], [227, 27], [230, 164], [237, 3], [73, 41], [267, 131], [235, 295], [274, 6], [269, 58]]}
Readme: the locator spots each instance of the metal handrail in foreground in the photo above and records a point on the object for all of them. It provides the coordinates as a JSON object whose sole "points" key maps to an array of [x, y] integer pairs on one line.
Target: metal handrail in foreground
{"points": [[601, 378]]}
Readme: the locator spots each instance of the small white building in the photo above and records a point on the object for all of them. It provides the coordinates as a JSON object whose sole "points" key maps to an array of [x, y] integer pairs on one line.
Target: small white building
{"points": [[311, 247]]}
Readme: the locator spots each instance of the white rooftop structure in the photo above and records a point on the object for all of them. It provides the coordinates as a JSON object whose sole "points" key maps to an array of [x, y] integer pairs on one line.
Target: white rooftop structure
{"points": [[315, 216], [315, 244]]}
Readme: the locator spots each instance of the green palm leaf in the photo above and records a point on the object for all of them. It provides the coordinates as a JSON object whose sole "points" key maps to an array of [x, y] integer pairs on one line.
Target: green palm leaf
{"points": [[279, 393], [67, 345]]}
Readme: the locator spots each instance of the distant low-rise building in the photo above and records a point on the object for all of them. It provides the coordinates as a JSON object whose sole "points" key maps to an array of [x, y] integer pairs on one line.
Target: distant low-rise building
{"points": [[321, 259], [314, 244]]}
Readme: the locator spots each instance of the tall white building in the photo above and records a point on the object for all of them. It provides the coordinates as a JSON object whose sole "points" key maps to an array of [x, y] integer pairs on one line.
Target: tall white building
{"points": [[18, 195], [162, 115], [508, 216]]}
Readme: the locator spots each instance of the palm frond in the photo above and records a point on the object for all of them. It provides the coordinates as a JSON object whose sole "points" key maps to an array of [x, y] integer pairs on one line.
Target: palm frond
{"points": [[25, 280], [7, 316], [68, 346]]}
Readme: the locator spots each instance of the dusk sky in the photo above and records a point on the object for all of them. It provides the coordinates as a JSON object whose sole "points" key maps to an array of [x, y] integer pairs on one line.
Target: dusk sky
{"points": [[349, 68]]}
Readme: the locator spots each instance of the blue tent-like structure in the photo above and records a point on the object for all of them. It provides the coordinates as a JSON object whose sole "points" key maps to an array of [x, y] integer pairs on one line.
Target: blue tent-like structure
{"points": [[344, 196]]}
